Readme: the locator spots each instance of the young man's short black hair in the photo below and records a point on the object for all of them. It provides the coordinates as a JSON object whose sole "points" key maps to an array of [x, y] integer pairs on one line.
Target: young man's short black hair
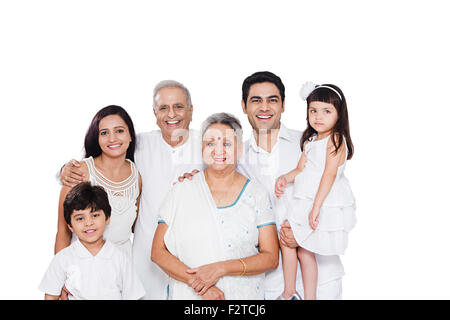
{"points": [[84, 196], [259, 77]]}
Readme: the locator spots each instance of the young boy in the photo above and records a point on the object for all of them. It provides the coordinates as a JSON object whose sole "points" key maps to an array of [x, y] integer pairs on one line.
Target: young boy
{"points": [[91, 267]]}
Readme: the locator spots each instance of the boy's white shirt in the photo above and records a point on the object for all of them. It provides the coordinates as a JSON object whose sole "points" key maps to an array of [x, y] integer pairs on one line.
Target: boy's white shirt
{"points": [[109, 275]]}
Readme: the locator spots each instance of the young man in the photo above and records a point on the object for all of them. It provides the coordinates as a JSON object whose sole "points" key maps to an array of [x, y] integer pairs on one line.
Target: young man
{"points": [[272, 151]]}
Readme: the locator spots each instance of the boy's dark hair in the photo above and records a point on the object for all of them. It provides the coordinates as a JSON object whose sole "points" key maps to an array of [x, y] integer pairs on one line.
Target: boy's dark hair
{"points": [[259, 77], [84, 196]]}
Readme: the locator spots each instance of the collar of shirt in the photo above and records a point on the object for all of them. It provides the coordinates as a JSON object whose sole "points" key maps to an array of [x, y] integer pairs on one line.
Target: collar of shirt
{"points": [[82, 252], [283, 134]]}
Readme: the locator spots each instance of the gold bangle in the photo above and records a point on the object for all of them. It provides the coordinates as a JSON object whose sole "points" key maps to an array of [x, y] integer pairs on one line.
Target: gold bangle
{"points": [[244, 267]]}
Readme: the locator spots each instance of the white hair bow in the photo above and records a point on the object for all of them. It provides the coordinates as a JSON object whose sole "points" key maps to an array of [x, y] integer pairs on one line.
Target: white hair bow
{"points": [[306, 89]]}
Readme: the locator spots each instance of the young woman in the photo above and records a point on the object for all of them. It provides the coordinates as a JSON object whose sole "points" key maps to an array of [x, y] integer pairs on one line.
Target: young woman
{"points": [[109, 145]]}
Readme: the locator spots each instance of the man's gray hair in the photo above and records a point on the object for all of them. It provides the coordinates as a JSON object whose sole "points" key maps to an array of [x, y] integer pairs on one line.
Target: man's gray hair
{"points": [[224, 118], [171, 84]]}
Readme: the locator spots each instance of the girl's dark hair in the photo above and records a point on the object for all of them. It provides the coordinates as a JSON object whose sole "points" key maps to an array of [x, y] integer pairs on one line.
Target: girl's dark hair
{"points": [[91, 146], [341, 129], [85, 196]]}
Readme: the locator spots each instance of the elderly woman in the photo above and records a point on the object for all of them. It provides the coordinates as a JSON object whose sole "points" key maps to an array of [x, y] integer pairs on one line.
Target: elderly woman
{"points": [[216, 235]]}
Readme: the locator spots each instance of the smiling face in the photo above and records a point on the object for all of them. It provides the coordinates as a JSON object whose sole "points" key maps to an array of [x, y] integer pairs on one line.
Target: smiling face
{"points": [[322, 117], [264, 106], [173, 114], [88, 226], [220, 148], [113, 136]]}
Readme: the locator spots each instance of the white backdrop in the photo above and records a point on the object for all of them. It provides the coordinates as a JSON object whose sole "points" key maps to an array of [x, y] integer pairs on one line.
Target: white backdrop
{"points": [[61, 61]]}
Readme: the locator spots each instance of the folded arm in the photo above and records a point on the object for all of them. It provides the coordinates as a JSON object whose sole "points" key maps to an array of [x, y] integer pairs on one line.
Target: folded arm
{"points": [[172, 266], [267, 259]]}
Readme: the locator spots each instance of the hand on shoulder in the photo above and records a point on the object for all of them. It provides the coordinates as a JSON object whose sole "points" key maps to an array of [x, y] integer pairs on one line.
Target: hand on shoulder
{"points": [[187, 175], [73, 173]]}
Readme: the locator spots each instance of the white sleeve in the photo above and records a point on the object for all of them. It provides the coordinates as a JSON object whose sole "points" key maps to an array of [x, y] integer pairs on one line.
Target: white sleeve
{"points": [[166, 214], [165, 211], [54, 278], [263, 210], [132, 288], [58, 176]]}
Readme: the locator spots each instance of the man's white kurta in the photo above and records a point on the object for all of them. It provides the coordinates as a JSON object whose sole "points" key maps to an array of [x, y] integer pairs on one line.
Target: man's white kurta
{"points": [[159, 165], [265, 167]]}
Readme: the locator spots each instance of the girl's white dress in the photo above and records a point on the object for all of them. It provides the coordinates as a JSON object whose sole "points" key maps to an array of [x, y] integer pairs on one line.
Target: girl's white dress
{"points": [[122, 199], [337, 214]]}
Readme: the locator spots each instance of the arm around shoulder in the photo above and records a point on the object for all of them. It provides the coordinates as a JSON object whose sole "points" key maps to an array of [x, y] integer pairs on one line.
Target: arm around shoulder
{"points": [[73, 173], [63, 234]]}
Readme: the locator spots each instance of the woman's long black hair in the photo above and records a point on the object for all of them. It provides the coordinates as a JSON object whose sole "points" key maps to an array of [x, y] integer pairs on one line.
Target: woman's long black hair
{"points": [[91, 146], [341, 129]]}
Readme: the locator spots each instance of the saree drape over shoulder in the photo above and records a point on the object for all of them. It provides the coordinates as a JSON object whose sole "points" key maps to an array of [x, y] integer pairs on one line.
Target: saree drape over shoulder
{"points": [[200, 233]]}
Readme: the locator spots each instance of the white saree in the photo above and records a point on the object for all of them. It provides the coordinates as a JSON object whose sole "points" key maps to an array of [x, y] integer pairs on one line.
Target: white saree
{"points": [[200, 233]]}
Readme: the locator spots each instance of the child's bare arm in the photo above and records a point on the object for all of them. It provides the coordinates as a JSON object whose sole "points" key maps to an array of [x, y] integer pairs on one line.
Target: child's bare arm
{"points": [[289, 177], [326, 182], [63, 234], [332, 163]]}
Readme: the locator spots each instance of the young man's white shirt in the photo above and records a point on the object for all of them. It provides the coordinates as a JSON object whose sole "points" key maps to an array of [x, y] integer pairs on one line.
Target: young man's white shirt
{"points": [[256, 163], [159, 165], [109, 275]]}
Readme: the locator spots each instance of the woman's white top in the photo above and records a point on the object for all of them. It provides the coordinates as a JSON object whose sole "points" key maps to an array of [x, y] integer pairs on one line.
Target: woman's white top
{"points": [[200, 233], [108, 275], [122, 198], [337, 214]]}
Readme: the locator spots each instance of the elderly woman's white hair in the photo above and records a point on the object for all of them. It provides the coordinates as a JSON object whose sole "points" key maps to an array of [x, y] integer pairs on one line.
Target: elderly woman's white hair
{"points": [[171, 84], [224, 118]]}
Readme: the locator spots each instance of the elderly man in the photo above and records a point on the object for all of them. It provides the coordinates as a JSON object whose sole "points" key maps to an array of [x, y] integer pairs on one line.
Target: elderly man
{"points": [[161, 156], [272, 151]]}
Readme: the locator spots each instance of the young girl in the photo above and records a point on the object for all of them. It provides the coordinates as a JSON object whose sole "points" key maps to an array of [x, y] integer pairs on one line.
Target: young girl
{"points": [[321, 212], [109, 144]]}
